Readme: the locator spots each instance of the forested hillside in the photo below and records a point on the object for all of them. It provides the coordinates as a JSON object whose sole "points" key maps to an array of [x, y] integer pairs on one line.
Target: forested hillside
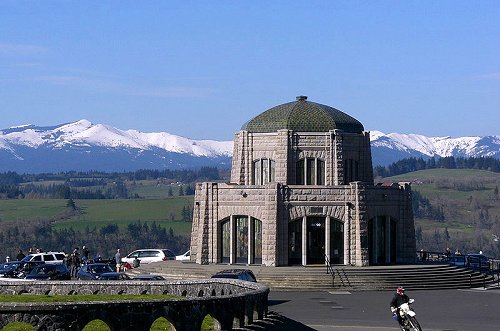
{"points": [[456, 208], [104, 211]]}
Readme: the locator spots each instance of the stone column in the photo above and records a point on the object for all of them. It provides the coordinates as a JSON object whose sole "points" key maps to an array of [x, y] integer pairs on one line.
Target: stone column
{"points": [[251, 240], [327, 237], [388, 239], [347, 234], [232, 237], [304, 240]]}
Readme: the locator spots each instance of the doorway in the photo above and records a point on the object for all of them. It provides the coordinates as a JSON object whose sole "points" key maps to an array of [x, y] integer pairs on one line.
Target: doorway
{"points": [[315, 240]]}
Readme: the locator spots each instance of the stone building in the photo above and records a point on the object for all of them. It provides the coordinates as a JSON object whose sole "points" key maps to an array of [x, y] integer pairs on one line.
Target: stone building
{"points": [[301, 192]]}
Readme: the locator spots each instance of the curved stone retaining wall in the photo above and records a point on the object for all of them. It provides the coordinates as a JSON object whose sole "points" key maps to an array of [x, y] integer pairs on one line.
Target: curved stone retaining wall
{"points": [[227, 301]]}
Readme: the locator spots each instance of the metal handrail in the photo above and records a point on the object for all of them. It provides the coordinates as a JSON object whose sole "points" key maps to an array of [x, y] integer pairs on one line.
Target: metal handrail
{"points": [[329, 269]]}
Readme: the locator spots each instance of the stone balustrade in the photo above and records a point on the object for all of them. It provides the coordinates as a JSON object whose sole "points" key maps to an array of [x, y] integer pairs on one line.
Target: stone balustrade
{"points": [[229, 302]]}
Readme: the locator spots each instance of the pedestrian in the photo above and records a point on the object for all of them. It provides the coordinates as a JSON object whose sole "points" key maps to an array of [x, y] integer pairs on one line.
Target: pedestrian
{"points": [[20, 255], [75, 262], [136, 263], [118, 260], [85, 253]]}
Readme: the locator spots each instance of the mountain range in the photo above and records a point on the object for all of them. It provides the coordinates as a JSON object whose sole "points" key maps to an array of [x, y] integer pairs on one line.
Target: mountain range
{"points": [[83, 146]]}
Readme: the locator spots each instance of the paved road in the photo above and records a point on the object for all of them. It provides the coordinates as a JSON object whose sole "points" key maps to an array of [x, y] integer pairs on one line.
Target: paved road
{"points": [[447, 310]]}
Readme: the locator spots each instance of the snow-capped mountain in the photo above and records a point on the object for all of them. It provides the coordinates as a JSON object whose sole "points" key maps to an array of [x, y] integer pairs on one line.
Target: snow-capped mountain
{"points": [[83, 146], [388, 148]]}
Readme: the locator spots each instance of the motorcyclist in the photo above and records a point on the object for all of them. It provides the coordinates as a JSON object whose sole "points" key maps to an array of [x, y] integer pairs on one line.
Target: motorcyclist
{"points": [[399, 298]]}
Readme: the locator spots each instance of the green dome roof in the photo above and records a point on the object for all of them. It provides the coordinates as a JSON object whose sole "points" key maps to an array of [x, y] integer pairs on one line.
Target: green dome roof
{"points": [[303, 116]]}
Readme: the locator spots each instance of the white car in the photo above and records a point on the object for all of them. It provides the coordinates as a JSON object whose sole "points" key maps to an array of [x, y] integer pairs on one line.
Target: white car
{"points": [[47, 257], [149, 255], [184, 257]]}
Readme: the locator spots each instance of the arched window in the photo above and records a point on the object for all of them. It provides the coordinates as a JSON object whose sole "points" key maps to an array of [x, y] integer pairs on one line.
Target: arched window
{"points": [[310, 171], [240, 240], [263, 171]]}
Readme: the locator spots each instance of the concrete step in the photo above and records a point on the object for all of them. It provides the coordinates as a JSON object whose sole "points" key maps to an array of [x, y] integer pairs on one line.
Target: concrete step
{"points": [[352, 278]]}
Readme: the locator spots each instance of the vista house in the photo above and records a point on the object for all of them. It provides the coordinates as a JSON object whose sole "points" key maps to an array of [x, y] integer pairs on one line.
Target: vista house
{"points": [[301, 193]]}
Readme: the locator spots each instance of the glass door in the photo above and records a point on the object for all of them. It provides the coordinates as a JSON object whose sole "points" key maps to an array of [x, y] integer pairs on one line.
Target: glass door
{"points": [[315, 240]]}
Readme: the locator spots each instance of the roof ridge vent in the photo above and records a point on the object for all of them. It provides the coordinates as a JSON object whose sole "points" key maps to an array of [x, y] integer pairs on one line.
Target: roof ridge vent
{"points": [[301, 98]]}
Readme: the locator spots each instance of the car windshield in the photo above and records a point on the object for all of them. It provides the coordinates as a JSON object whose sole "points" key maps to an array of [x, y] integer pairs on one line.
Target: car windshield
{"points": [[226, 276], [99, 269], [168, 253], [27, 258]]}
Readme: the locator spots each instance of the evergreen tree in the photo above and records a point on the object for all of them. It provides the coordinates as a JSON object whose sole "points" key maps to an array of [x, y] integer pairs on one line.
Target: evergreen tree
{"points": [[71, 204]]}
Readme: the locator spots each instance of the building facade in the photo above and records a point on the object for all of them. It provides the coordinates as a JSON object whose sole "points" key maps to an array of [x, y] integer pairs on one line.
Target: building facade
{"points": [[302, 193]]}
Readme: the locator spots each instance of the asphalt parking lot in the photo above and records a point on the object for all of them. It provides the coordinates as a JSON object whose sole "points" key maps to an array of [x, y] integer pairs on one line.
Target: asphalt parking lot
{"points": [[446, 310]]}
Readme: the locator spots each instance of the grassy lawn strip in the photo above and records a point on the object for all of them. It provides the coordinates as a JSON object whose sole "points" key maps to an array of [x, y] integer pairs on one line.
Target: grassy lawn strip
{"points": [[81, 297]]}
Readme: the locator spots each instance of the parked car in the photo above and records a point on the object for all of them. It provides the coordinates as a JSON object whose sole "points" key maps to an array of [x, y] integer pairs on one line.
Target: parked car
{"points": [[184, 257], [22, 269], [46, 257], [241, 274], [93, 271], [50, 272], [114, 276], [149, 255], [477, 261], [6, 267], [149, 277], [457, 260]]}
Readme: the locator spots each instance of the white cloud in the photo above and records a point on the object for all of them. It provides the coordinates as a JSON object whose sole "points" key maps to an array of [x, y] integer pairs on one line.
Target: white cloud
{"points": [[166, 92], [21, 49], [110, 86], [64, 80], [491, 76]]}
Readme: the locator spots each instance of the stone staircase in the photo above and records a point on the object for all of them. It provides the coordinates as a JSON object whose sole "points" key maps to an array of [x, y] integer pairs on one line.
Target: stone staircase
{"points": [[311, 278]]}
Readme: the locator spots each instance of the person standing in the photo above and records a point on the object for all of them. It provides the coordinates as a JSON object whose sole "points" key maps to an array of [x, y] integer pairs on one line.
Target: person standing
{"points": [[75, 262], [85, 253], [20, 255], [118, 260]]}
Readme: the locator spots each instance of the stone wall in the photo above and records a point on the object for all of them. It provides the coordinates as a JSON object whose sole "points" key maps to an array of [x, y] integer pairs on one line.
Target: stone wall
{"points": [[348, 195], [287, 147], [276, 205], [227, 301]]}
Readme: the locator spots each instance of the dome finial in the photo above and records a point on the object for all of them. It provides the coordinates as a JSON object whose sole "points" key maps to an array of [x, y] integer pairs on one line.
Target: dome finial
{"points": [[301, 98]]}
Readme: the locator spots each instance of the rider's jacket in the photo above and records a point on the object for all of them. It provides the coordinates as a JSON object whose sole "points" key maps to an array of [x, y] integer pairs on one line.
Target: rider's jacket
{"points": [[398, 300]]}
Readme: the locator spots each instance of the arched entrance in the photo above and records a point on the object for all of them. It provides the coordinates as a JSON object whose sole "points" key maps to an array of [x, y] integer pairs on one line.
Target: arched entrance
{"points": [[382, 240], [295, 242], [311, 238], [315, 240], [240, 238]]}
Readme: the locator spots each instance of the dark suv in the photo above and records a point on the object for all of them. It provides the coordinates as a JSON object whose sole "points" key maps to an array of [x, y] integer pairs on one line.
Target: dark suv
{"points": [[241, 274]]}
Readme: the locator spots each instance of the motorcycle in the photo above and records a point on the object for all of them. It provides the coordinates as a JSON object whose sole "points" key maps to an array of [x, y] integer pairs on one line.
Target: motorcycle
{"points": [[408, 318]]}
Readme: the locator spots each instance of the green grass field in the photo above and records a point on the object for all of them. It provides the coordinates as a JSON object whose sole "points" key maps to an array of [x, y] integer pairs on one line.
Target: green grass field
{"points": [[27, 209], [427, 182], [98, 213]]}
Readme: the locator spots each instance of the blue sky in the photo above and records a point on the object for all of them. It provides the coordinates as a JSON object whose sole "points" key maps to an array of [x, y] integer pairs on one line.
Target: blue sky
{"points": [[201, 69]]}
